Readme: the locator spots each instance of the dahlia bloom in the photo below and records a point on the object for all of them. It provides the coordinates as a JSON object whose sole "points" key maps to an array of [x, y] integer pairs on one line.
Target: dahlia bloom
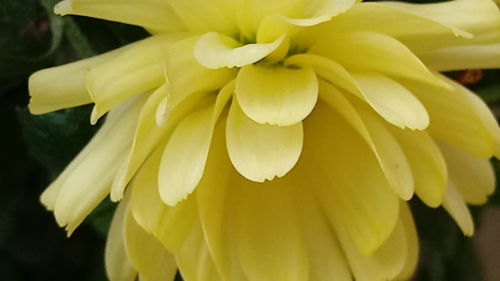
{"points": [[276, 140]]}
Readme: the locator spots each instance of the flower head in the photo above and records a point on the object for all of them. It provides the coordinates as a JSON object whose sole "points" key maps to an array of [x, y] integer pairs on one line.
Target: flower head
{"points": [[276, 140]]}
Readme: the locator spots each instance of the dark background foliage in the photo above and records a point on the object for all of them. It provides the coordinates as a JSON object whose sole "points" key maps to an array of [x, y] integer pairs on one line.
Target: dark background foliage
{"points": [[35, 149]]}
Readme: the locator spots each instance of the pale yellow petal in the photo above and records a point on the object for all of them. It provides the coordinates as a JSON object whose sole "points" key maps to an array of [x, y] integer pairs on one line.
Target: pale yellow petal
{"points": [[463, 57], [385, 263], [203, 16], [380, 17], [458, 210], [348, 180], [374, 52], [276, 95], [470, 15], [137, 70], [185, 155], [389, 154], [412, 247], [215, 50], [261, 151], [153, 14], [151, 260], [396, 104], [118, 265], [87, 180], [468, 132], [64, 86], [318, 11], [186, 75], [328, 70], [473, 177], [170, 225], [427, 165], [194, 259]]}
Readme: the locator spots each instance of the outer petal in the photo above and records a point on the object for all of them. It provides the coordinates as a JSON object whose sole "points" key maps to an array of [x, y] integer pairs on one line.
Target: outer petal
{"points": [[348, 181], [389, 154], [392, 101], [368, 51], [118, 266], [137, 70], [427, 164], [261, 152], [463, 57], [214, 51], [64, 86], [468, 132], [147, 255], [276, 95], [458, 210], [185, 155], [473, 177], [318, 11], [153, 14], [86, 181]]}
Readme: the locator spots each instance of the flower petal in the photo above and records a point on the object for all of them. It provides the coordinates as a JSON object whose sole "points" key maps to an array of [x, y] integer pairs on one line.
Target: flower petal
{"points": [[185, 155], [458, 210], [468, 132], [137, 70], [369, 51], [318, 11], [146, 254], [49, 91], [463, 57], [348, 181], [392, 101], [389, 154], [258, 151], [118, 266], [473, 177], [383, 264], [215, 50], [427, 165], [86, 181], [185, 73], [170, 225], [153, 14], [276, 95]]}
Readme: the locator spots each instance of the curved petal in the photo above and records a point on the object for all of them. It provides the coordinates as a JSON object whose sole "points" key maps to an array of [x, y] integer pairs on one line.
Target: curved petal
{"points": [[392, 101], [153, 14], [86, 181], [146, 254], [470, 15], [258, 151], [348, 181], [137, 70], [463, 57], [276, 95], [185, 73], [185, 155], [318, 11], [427, 164], [374, 52], [118, 265], [389, 154], [468, 132], [458, 210], [215, 50], [473, 177], [64, 86]]}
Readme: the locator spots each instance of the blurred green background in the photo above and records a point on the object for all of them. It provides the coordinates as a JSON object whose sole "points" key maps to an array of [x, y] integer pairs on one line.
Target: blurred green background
{"points": [[35, 149]]}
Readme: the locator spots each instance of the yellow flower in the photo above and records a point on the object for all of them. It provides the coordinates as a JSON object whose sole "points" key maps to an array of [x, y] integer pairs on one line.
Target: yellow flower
{"points": [[276, 140]]}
